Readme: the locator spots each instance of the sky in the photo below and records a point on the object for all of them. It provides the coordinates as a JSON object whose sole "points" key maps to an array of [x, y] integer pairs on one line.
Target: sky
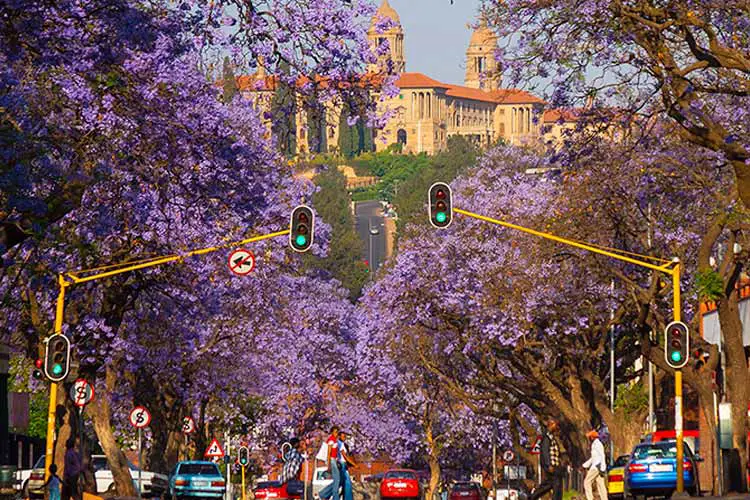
{"points": [[436, 36]]}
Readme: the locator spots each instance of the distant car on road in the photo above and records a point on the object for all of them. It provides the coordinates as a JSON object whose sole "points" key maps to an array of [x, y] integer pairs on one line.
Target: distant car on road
{"points": [[652, 470], [374, 230], [616, 477], [465, 490], [400, 483], [196, 478]]}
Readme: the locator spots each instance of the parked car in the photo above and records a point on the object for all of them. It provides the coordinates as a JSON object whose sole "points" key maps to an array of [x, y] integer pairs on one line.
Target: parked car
{"points": [[31, 481], [196, 478], [154, 484], [465, 490], [274, 489], [321, 479], [616, 477], [511, 490], [400, 483], [652, 470]]}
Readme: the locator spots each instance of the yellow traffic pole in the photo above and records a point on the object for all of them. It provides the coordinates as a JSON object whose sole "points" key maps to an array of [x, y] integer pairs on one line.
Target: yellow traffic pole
{"points": [[243, 482], [678, 383], [52, 409]]}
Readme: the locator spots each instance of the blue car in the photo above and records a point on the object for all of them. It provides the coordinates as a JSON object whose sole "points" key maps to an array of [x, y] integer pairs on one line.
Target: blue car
{"points": [[196, 479], [652, 470]]}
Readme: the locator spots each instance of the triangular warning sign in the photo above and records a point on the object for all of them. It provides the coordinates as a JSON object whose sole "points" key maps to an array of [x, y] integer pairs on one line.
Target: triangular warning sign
{"points": [[214, 450], [537, 448]]}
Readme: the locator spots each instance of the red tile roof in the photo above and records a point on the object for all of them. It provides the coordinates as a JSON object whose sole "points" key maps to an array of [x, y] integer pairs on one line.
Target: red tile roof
{"points": [[269, 82], [418, 80], [566, 115], [515, 96]]}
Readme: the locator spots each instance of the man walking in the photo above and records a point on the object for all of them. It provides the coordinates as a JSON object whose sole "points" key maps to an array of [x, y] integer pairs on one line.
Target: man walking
{"points": [[551, 462], [597, 467], [72, 470], [332, 490]]}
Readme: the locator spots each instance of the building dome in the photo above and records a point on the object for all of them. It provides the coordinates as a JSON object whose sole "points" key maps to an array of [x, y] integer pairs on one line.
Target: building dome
{"points": [[385, 10]]}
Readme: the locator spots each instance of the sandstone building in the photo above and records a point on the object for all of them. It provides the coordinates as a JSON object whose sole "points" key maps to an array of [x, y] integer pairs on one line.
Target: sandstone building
{"points": [[426, 112]]}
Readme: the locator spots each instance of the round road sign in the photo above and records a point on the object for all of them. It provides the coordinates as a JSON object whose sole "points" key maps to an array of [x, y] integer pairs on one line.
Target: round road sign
{"points": [[140, 417], [81, 392], [188, 425], [508, 455], [241, 262]]}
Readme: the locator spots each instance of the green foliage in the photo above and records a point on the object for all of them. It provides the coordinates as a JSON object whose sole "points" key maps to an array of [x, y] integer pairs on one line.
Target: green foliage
{"points": [[343, 262], [631, 399], [230, 82], [709, 285], [445, 166], [366, 194]]}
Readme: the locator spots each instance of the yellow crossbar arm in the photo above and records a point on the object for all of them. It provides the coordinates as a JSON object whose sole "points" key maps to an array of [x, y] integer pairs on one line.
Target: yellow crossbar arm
{"points": [[664, 268]]}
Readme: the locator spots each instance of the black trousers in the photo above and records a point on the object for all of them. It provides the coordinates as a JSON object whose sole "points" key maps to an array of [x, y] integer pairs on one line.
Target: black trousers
{"points": [[550, 482], [70, 490]]}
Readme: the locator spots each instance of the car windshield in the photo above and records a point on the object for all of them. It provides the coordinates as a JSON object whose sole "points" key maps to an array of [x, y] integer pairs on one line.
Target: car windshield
{"points": [[656, 450], [199, 469], [400, 474], [100, 463], [621, 461], [464, 486], [267, 484]]}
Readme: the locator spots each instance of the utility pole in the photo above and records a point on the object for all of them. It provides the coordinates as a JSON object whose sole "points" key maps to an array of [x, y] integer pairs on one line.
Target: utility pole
{"points": [[4, 434], [227, 446], [611, 366]]}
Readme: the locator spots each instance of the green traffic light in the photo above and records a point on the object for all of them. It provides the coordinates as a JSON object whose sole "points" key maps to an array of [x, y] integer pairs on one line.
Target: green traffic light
{"points": [[441, 217], [57, 369], [676, 356], [301, 240]]}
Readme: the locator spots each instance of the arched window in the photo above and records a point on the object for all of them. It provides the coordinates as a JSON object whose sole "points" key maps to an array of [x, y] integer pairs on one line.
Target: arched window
{"points": [[413, 105], [429, 105], [401, 136]]}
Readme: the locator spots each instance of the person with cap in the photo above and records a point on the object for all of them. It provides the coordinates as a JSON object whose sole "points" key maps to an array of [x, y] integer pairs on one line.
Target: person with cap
{"points": [[551, 461], [597, 468]]}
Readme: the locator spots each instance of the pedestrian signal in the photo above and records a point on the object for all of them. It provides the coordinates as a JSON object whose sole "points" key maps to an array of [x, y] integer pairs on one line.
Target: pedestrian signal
{"points": [[676, 344], [301, 228], [57, 357], [440, 202]]}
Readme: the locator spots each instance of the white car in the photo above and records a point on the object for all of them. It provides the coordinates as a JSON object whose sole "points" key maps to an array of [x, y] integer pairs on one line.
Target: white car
{"points": [[31, 481], [321, 479], [154, 484]]}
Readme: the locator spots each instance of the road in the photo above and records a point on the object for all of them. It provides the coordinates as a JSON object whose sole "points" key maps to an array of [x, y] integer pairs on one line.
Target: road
{"points": [[368, 215]]}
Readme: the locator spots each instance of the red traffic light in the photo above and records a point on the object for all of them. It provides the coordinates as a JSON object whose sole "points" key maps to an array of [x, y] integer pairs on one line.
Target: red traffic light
{"points": [[676, 332], [39, 363], [440, 195]]}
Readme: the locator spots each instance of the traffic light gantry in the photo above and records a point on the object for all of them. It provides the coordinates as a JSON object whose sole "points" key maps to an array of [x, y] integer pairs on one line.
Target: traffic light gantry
{"points": [[676, 344], [57, 357]]}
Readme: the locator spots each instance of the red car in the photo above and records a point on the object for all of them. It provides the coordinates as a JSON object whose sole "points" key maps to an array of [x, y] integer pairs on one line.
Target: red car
{"points": [[400, 483], [465, 490], [274, 490]]}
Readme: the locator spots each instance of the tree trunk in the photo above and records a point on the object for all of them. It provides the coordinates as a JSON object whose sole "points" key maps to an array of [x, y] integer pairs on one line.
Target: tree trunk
{"points": [[101, 415], [433, 461], [737, 377], [64, 432]]}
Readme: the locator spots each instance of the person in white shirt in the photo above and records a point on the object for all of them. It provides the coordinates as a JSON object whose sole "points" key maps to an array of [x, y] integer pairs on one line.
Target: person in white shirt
{"points": [[597, 468]]}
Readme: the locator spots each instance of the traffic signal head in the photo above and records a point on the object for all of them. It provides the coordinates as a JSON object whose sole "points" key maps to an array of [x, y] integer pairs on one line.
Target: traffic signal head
{"points": [[440, 202], [676, 344], [37, 373], [301, 228], [57, 357], [243, 456]]}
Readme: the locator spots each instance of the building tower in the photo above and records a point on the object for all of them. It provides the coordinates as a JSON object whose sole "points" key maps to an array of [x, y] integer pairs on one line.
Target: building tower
{"points": [[394, 61], [482, 69]]}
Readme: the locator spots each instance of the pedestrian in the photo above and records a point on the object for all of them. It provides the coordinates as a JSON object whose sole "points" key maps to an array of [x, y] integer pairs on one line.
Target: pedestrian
{"points": [[332, 455], [345, 461], [292, 462], [71, 472], [551, 462], [54, 483], [597, 467]]}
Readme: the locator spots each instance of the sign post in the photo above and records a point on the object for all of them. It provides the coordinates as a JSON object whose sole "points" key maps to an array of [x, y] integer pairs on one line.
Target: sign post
{"points": [[188, 427], [140, 418], [81, 393]]}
